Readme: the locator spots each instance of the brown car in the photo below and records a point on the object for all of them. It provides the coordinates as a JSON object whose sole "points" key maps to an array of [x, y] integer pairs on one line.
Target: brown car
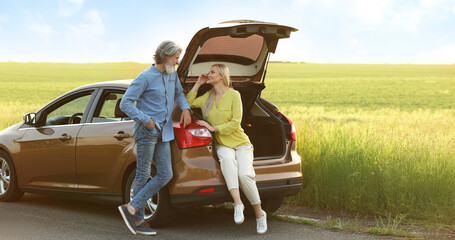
{"points": [[81, 144]]}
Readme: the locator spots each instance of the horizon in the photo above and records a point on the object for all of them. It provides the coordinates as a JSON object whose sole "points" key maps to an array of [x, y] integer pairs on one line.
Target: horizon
{"points": [[270, 61]]}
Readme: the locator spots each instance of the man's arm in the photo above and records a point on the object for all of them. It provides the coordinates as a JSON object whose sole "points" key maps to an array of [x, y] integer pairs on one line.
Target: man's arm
{"points": [[131, 95], [181, 101]]}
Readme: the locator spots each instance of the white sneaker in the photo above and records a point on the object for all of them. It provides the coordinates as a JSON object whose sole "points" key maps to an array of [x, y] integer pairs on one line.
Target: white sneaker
{"points": [[238, 213], [261, 224]]}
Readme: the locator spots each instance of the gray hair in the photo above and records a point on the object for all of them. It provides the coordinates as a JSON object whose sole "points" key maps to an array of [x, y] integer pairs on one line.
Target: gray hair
{"points": [[166, 49]]}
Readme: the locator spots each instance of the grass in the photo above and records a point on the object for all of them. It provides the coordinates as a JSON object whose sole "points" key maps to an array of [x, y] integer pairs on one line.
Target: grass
{"points": [[374, 139], [389, 227]]}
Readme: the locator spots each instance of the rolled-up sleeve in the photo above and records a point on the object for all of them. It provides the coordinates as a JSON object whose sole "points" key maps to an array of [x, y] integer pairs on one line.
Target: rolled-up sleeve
{"points": [[131, 95]]}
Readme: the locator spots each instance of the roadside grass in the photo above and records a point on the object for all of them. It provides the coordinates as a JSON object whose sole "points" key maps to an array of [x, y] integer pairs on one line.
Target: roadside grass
{"points": [[383, 227], [390, 227], [378, 162], [374, 139]]}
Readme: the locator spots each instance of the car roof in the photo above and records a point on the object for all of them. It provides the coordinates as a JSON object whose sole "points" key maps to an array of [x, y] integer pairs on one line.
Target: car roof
{"points": [[125, 83]]}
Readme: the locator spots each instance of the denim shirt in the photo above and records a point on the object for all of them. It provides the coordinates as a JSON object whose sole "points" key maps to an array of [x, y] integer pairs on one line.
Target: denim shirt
{"points": [[154, 93]]}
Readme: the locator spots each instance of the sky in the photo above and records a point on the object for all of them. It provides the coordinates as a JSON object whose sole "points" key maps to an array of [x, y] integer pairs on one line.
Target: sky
{"points": [[330, 31]]}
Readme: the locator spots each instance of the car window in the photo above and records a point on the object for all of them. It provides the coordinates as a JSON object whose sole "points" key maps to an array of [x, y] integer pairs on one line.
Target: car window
{"points": [[108, 108], [243, 51], [69, 113]]}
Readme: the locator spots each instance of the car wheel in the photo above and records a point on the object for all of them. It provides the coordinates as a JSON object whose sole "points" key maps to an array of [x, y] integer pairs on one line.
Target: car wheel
{"points": [[158, 209], [272, 204], [9, 191]]}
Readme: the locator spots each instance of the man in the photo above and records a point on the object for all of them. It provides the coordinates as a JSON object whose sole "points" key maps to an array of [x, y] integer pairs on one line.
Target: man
{"points": [[154, 92]]}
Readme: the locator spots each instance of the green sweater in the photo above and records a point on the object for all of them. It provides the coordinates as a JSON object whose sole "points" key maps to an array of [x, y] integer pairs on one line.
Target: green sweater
{"points": [[226, 117]]}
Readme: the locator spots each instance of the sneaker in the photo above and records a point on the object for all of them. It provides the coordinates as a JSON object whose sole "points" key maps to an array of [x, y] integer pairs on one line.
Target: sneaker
{"points": [[145, 229], [238, 213], [261, 224], [128, 218]]}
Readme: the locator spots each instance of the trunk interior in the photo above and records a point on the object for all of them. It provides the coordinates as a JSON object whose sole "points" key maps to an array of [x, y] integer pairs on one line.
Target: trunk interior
{"points": [[266, 135]]}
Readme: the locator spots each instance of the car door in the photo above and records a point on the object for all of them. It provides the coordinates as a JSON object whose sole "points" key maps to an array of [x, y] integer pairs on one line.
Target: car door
{"points": [[104, 144], [48, 150]]}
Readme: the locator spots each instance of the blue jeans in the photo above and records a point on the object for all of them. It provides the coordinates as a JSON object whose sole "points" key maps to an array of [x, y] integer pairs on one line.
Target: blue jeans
{"points": [[149, 147]]}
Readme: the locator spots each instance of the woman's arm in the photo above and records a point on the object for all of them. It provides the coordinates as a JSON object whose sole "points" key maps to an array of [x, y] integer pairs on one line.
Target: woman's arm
{"points": [[191, 96]]}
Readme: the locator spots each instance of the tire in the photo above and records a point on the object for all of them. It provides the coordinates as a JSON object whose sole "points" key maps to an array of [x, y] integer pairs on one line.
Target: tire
{"points": [[161, 202], [9, 190], [272, 204]]}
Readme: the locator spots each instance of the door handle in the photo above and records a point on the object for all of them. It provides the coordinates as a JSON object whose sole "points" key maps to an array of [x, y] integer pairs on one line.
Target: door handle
{"points": [[121, 135], [65, 137]]}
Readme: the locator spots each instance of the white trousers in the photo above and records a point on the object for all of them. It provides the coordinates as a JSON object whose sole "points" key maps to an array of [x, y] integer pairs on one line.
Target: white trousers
{"points": [[237, 166]]}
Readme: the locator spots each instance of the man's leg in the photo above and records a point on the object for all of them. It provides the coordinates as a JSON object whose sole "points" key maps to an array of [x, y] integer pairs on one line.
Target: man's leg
{"points": [[162, 160], [146, 141]]}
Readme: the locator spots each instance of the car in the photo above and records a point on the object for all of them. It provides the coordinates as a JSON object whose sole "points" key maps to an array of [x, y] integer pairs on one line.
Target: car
{"points": [[81, 144]]}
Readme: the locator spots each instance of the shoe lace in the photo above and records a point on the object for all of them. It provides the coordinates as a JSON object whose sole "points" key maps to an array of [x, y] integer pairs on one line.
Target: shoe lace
{"points": [[238, 210], [261, 223]]}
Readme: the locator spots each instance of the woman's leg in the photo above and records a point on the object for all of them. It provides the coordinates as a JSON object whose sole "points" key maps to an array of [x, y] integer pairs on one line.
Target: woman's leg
{"points": [[258, 211], [245, 157], [235, 194], [228, 165]]}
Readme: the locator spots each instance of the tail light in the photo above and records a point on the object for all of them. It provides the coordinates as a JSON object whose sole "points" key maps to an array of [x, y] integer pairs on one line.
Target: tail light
{"points": [[206, 190], [293, 130], [193, 135]]}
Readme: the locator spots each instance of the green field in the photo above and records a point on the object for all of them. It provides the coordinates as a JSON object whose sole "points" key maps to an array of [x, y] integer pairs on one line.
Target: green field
{"points": [[376, 139]]}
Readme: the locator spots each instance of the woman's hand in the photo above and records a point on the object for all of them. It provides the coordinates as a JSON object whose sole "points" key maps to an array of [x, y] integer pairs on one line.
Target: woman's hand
{"points": [[202, 79], [206, 125]]}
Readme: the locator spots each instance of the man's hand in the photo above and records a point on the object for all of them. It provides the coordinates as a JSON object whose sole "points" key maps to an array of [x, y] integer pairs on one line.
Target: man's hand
{"points": [[150, 124], [185, 117]]}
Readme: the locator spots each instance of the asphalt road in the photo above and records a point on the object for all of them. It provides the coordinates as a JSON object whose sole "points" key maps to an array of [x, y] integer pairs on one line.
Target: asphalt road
{"points": [[47, 217]]}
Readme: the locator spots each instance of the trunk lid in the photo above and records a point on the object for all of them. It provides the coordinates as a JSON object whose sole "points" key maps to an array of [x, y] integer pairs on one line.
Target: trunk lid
{"points": [[243, 45]]}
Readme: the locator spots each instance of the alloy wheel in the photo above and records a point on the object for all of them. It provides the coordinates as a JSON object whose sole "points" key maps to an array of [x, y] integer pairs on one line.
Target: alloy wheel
{"points": [[4, 176], [150, 206]]}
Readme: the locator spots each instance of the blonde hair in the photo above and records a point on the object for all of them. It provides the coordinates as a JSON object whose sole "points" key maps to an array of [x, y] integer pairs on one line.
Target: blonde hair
{"points": [[224, 72]]}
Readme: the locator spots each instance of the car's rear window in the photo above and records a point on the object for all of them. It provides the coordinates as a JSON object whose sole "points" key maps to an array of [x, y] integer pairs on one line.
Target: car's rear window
{"points": [[243, 51]]}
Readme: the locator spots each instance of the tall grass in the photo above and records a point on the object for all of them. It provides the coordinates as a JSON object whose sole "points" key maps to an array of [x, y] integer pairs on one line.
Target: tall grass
{"points": [[373, 138], [379, 161]]}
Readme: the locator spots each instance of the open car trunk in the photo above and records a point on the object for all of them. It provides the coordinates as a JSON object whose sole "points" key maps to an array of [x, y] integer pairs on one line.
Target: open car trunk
{"points": [[267, 136], [244, 46]]}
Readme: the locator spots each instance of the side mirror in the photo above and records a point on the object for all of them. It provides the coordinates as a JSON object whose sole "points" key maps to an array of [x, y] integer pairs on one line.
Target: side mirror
{"points": [[29, 119]]}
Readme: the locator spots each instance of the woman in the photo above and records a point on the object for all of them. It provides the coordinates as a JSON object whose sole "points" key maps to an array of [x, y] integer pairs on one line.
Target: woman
{"points": [[222, 108]]}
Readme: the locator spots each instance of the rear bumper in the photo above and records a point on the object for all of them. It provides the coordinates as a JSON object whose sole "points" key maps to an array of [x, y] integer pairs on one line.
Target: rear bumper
{"points": [[268, 189]]}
